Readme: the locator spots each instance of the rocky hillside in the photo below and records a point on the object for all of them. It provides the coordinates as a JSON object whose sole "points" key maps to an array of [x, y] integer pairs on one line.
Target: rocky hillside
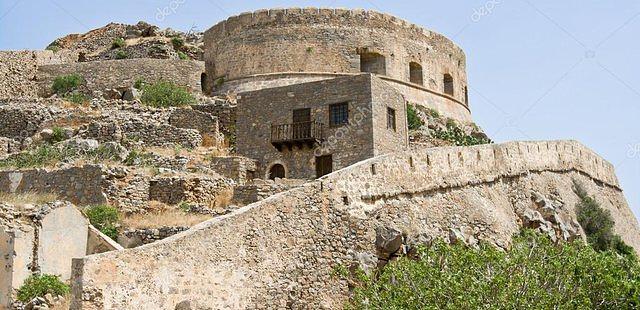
{"points": [[142, 40]]}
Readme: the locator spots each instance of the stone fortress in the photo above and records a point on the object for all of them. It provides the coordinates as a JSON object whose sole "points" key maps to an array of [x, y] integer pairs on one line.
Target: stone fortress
{"points": [[296, 157]]}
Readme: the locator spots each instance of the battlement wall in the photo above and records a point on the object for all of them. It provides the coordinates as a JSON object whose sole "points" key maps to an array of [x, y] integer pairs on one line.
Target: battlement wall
{"points": [[122, 74], [282, 251], [243, 52]]}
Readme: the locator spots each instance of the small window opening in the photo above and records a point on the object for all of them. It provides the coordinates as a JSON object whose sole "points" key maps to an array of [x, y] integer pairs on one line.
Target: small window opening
{"points": [[391, 119], [373, 63], [415, 73], [338, 114], [448, 84]]}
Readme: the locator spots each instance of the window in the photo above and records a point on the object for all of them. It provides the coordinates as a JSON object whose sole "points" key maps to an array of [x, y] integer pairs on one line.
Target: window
{"points": [[373, 63], [391, 119], [415, 73], [466, 96], [276, 171], [324, 165], [203, 83], [448, 84], [339, 114]]}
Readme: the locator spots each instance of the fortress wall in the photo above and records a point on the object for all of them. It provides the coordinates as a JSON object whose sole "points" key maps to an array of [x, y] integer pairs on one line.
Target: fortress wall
{"points": [[283, 41], [119, 74], [18, 70], [79, 185], [281, 252]]}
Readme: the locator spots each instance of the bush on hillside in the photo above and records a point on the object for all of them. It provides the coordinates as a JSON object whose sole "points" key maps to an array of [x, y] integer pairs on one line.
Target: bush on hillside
{"points": [[164, 94], [65, 84], [41, 285], [534, 274], [457, 136], [105, 219], [598, 224], [118, 43]]}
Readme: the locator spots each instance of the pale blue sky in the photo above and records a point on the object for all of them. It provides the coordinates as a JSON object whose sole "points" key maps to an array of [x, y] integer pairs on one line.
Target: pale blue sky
{"points": [[542, 69]]}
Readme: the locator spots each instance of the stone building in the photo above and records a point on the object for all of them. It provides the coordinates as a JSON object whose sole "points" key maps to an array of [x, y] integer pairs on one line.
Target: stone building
{"points": [[277, 47], [310, 129]]}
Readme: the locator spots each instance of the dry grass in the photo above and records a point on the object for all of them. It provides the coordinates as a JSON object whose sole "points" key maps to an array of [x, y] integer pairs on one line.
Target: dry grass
{"points": [[157, 219], [21, 199]]}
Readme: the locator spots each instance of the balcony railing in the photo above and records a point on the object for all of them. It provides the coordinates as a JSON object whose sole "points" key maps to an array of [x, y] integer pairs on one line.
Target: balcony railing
{"points": [[308, 133]]}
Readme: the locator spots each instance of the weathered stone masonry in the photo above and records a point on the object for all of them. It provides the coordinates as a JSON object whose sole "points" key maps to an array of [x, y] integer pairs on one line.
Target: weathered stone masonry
{"points": [[122, 74], [280, 252], [271, 48]]}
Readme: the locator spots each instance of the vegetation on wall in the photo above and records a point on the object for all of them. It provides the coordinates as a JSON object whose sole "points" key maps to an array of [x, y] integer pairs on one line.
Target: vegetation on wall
{"points": [[534, 273], [164, 94], [413, 120], [41, 285], [47, 155], [457, 136], [598, 224], [67, 87], [177, 42], [104, 218], [122, 54]]}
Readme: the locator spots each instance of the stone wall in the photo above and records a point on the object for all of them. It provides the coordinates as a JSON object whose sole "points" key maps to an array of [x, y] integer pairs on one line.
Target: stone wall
{"points": [[20, 119], [281, 252], [188, 188], [347, 144], [43, 241], [261, 189], [251, 47], [224, 111], [18, 70], [238, 168], [79, 185], [122, 74]]}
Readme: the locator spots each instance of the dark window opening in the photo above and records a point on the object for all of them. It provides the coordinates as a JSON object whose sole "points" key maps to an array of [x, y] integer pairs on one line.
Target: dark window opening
{"points": [[339, 114], [277, 171], [391, 119], [373, 63], [466, 96], [324, 165], [415, 73], [203, 83], [448, 84]]}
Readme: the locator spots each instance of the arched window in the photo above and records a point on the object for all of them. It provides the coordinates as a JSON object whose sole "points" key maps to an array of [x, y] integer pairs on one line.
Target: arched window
{"points": [[415, 73], [373, 63], [276, 171], [203, 83], [448, 84]]}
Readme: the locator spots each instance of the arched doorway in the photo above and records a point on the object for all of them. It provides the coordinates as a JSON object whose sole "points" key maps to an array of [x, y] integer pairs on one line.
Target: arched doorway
{"points": [[276, 171], [203, 83]]}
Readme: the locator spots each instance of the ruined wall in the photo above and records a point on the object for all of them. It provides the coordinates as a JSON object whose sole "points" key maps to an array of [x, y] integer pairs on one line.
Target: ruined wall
{"points": [[238, 168], [307, 44], [18, 70], [347, 144], [281, 252], [79, 185], [119, 74], [224, 111]]}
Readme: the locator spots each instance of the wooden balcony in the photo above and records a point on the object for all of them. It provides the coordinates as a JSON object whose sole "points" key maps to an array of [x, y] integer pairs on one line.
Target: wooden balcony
{"points": [[296, 134]]}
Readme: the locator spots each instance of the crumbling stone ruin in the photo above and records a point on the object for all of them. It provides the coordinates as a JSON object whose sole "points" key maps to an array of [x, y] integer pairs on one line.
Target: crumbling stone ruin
{"points": [[310, 138]]}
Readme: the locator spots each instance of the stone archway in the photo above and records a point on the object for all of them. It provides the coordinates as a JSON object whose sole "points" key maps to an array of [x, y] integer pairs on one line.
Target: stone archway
{"points": [[277, 171]]}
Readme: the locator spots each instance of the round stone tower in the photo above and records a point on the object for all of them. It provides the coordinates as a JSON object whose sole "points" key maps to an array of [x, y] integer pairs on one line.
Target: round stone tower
{"points": [[278, 47]]}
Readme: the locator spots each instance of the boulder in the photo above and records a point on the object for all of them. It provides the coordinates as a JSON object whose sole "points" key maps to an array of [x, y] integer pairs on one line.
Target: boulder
{"points": [[388, 240]]}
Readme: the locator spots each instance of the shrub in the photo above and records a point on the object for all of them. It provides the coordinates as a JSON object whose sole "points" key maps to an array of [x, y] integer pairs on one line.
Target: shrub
{"points": [[457, 136], [598, 224], [165, 94], [41, 285], [122, 54], [218, 82], [182, 55], [104, 218], [76, 97], [139, 83], [39, 157], [433, 112], [57, 134], [118, 43], [67, 83], [534, 274], [177, 42], [413, 120], [54, 47]]}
